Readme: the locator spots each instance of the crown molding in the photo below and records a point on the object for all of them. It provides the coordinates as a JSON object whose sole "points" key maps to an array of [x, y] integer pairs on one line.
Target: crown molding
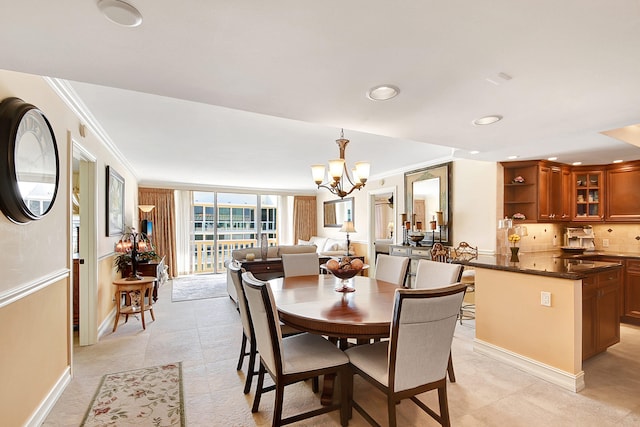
{"points": [[66, 92]]}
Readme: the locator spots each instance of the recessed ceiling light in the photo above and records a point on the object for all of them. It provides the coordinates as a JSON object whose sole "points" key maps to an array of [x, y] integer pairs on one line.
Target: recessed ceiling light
{"points": [[552, 158], [618, 161], [576, 163], [120, 12], [474, 152], [382, 92], [512, 157], [487, 120]]}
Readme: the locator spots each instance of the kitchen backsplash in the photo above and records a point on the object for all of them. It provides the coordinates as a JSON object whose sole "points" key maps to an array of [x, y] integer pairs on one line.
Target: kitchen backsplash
{"points": [[545, 237]]}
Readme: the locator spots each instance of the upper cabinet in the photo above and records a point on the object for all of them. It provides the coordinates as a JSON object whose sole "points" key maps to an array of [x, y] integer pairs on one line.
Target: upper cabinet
{"points": [[536, 191], [623, 192], [588, 192], [543, 191]]}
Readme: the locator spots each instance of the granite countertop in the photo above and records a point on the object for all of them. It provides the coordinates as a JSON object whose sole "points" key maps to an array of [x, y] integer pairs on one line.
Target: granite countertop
{"points": [[552, 264]]}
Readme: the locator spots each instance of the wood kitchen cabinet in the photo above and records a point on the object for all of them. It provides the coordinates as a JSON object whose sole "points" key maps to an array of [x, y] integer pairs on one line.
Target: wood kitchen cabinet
{"points": [[553, 189], [600, 312], [588, 194], [631, 313], [623, 197], [521, 197]]}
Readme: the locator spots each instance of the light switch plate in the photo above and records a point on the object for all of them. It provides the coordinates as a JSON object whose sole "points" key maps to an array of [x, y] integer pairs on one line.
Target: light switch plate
{"points": [[545, 298]]}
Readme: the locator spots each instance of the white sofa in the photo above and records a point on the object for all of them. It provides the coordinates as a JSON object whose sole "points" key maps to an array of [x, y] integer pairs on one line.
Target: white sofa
{"points": [[327, 246]]}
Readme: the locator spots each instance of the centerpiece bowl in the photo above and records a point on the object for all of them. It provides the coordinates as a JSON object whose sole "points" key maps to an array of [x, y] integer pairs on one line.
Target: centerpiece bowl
{"points": [[345, 269]]}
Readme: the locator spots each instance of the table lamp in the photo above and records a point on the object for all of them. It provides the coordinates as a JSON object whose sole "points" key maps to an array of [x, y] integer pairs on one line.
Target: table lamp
{"points": [[347, 227]]}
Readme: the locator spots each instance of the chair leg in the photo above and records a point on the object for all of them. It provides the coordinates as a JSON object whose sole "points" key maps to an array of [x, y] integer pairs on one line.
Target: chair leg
{"points": [[256, 398], [315, 384], [251, 369], [277, 406], [345, 384], [444, 406], [391, 409], [242, 351], [452, 375]]}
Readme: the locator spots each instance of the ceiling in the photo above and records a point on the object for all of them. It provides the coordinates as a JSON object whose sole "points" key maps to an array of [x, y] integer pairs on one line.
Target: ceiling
{"points": [[250, 94]]}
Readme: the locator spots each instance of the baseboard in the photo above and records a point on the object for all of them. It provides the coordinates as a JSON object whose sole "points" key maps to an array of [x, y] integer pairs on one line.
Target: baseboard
{"points": [[548, 373], [40, 415], [107, 324]]}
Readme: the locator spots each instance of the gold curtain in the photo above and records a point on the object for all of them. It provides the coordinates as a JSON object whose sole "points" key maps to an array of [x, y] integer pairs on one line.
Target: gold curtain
{"points": [[305, 216], [163, 217]]}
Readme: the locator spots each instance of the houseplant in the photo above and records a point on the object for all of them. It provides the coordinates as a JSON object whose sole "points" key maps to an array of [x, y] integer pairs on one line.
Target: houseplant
{"points": [[143, 250]]}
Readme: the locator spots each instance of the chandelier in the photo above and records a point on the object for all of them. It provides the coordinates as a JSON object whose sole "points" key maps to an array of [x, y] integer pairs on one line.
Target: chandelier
{"points": [[339, 174]]}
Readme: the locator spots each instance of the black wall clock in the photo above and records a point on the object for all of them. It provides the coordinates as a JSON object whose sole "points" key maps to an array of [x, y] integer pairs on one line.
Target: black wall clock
{"points": [[29, 164]]}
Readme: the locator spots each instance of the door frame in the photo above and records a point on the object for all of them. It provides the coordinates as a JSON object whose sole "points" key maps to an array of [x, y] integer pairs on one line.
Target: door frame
{"points": [[88, 289], [371, 202]]}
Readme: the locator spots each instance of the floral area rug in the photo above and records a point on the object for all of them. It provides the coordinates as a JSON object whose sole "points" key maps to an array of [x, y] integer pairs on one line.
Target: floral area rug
{"points": [[141, 397], [199, 286]]}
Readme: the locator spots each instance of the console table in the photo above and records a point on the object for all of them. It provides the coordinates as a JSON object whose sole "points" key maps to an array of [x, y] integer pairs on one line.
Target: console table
{"points": [[150, 269], [144, 286], [415, 254]]}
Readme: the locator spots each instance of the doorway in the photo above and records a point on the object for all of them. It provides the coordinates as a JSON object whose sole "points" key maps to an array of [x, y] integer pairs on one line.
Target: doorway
{"points": [[382, 224], [84, 236]]}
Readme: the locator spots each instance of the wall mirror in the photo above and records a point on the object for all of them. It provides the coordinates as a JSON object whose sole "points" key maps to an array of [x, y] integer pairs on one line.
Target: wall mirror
{"points": [[336, 212], [427, 191]]}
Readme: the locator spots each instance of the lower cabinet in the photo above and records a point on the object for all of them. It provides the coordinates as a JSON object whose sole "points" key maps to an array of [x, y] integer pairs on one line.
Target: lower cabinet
{"points": [[600, 312], [415, 254], [631, 311]]}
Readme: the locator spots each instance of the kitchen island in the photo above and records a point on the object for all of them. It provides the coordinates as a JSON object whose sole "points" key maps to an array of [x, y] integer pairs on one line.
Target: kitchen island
{"points": [[550, 341]]}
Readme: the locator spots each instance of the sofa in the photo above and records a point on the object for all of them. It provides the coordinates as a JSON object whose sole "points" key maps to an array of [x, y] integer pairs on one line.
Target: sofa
{"points": [[327, 246]]}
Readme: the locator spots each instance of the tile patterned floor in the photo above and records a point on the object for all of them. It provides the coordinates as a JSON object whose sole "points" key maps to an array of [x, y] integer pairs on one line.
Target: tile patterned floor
{"points": [[205, 336]]}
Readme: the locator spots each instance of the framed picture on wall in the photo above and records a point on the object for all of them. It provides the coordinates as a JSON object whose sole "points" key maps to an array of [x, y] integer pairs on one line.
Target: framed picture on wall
{"points": [[115, 203]]}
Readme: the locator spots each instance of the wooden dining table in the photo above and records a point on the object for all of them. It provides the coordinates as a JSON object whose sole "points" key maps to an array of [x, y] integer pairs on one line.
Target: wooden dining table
{"points": [[311, 304]]}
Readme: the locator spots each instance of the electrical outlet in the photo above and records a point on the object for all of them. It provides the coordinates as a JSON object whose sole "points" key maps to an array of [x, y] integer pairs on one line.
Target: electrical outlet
{"points": [[545, 298], [605, 243]]}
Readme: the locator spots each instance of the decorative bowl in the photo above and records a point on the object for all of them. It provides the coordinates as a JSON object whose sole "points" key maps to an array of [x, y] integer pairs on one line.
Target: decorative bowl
{"points": [[416, 237], [345, 274]]}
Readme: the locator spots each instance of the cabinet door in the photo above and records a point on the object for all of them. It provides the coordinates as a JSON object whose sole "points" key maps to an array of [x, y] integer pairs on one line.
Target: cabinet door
{"points": [[623, 197], [589, 313], [545, 212], [587, 195], [632, 291], [608, 310], [566, 194]]}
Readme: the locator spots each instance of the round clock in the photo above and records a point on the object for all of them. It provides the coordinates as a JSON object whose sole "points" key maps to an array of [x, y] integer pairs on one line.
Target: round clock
{"points": [[30, 168]]}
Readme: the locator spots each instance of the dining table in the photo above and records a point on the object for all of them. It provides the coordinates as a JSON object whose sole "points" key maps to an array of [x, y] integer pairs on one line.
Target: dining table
{"points": [[312, 304]]}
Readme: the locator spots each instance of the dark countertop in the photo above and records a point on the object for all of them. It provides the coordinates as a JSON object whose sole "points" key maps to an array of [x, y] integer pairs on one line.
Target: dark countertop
{"points": [[552, 264]]}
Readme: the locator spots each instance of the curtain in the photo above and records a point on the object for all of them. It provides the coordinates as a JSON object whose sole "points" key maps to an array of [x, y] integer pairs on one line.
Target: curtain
{"points": [[183, 232], [305, 216], [164, 223]]}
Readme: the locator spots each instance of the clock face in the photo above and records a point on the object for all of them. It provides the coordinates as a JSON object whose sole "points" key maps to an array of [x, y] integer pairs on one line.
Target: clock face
{"points": [[28, 146]]}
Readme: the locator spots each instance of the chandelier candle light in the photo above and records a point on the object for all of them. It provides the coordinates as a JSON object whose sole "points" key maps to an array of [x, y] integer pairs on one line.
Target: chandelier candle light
{"points": [[339, 173]]}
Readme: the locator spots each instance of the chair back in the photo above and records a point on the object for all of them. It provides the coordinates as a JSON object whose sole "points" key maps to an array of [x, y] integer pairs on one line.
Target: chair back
{"points": [[421, 334], [266, 324], [236, 271], [440, 253], [465, 252], [306, 264], [434, 275], [392, 269]]}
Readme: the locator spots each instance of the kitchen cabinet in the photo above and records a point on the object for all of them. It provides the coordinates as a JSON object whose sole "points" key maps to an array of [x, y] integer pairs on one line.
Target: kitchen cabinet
{"points": [[600, 312], [588, 185], [631, 312], [553, 188], [623, 197], [521, 197]]}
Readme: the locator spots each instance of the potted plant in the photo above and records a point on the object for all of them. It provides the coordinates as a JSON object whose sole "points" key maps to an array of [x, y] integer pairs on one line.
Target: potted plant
{"points": [[135, 244]]}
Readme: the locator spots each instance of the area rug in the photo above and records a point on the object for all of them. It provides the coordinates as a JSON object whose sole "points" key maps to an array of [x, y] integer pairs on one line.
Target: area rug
{"points": [[199, 286], [141, 397]]}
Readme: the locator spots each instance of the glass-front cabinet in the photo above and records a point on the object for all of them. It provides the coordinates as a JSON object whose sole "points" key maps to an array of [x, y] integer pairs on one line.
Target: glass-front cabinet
{"points": [[588, 193]]}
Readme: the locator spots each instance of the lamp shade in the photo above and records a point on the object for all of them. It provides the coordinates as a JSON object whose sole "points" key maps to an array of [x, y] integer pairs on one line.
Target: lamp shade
{"points": [[318, 173], [146, 208], [347, 227]]}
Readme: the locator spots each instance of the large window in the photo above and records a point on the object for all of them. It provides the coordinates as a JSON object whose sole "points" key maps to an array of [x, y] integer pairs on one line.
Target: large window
{"points": [[223, 222]]}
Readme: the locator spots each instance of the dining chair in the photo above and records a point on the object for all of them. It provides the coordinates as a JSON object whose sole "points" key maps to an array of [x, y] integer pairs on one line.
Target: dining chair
{"points": [[247, 328], [440, 253], [436, 275], [465, 252], [392, 269], [290, 359], [306, 264], [415, 358]]}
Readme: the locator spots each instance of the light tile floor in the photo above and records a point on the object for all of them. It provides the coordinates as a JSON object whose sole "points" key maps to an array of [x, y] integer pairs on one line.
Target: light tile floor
{"points": [[205, 335]]}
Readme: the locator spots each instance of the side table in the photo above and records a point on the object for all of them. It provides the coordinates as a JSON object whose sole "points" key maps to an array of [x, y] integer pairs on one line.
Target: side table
{"points": [[143, 286]]}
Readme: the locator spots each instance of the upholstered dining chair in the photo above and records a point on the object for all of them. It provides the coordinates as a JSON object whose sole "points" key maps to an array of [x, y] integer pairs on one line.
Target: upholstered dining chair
{"points": [[306, 264], [248, 339], [392, 269], [422, 327], [436, 275], [291, 359]]}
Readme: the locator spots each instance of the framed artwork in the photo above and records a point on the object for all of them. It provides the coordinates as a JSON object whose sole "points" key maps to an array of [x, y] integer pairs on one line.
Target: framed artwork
{"points": [[115, 203]]}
